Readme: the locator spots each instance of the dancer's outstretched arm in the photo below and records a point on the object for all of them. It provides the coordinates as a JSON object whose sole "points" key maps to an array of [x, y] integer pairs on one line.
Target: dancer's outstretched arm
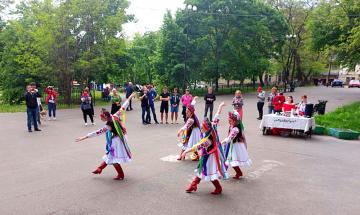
{"points": [[93, 134], [125, 105]]}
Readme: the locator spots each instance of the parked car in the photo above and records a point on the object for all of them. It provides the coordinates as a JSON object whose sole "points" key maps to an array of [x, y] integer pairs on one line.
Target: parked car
{"points": [[337, 83], [354, 83]]}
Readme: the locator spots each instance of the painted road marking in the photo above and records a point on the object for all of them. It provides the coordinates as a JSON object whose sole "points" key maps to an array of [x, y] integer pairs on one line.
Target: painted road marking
{"points": [[170, 158], [267, 166]]}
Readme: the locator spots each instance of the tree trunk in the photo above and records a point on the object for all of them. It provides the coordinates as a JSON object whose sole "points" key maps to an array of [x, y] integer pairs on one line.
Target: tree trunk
{"points": [[216, 84], [253, 81], [261, 79]]}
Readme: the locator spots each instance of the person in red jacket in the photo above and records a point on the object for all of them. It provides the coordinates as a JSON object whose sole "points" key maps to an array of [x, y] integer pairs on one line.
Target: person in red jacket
{"points": [[278, 102], [51, 101], [289, 104]]}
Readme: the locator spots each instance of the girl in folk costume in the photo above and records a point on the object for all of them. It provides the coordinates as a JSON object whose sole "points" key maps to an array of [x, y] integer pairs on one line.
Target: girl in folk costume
{"points": [[190, 133], [117, 150], [235, 145], [212, 160]]}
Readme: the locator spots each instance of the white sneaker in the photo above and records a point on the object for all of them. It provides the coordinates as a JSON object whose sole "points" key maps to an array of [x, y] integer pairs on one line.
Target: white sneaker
{"points": [[49, 119], [86, 124], [93, 123], [54, 118]]}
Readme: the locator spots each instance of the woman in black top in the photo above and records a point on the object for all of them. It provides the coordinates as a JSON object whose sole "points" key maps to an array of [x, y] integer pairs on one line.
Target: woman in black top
{"points": [[164, 107]]}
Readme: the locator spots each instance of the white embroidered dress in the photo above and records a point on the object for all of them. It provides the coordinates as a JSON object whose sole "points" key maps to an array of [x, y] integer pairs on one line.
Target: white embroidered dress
{"points": [[237, 154], [118, 153], [210, 170]]}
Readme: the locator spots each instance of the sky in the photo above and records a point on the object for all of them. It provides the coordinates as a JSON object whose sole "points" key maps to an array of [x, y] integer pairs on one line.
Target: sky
{"points": [[149, 14]]}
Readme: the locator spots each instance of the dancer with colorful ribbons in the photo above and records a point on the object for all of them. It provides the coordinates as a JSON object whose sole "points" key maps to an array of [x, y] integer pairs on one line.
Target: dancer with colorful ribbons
{"points": [[235, 145], [212, 159], [117, 150], [190, 134]]}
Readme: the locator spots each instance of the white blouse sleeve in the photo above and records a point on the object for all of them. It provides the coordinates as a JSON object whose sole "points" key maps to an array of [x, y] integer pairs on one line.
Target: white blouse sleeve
{"points": [[125, 105], [233, 133], [98, 132], [216, 119]]}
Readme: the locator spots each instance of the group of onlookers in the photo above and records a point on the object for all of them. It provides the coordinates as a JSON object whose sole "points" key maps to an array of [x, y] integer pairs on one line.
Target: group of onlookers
{"points": [[277, 102], [147, 97], [34, 108]]}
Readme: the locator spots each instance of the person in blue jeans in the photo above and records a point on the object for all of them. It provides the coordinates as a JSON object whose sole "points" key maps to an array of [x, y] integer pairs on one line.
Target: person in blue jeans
{"points": [[51, 101], [174, 104], [152, 96], [32, 107]]}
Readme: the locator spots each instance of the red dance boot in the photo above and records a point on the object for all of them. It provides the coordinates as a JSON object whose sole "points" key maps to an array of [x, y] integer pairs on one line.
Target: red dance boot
{"points": [[193, 185], [100, 168], [218, 188], [238, 172], [120, 172]]}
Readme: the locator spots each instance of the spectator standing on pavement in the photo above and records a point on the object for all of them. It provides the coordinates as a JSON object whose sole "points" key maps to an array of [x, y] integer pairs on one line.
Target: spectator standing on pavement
{"points": [[129, 90], [238, 103], [86, 106], [116, 101], [186, 100], [152, 96], [32, 107], [270, 99], [209, 102], [145, 107], [174, 102], [51, 101], [107, 94], [278, 102], [261, 101], [164, 107]]}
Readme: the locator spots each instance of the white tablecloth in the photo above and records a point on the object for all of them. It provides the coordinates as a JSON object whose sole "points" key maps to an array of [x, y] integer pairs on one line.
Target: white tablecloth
{"points": [[277, 121]]}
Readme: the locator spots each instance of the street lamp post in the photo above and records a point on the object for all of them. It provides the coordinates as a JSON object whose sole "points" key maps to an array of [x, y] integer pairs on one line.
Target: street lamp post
{"points": [[188, 8]]}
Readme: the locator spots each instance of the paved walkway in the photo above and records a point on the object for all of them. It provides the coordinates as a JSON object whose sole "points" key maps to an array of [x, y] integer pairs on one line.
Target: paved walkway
{"points": [[48, 173]]}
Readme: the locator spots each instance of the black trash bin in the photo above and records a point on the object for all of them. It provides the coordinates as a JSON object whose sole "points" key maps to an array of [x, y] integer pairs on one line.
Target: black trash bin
{"points": [[320, 107]]}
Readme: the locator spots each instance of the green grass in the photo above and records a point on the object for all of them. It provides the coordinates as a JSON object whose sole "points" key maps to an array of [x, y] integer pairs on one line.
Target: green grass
{"points": [[346, 117]]}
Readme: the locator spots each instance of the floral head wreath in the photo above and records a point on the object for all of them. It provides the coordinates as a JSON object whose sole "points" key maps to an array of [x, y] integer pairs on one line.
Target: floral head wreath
{"points": [[105, 114], [206, 124], [191, 108], [234, 116]]}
